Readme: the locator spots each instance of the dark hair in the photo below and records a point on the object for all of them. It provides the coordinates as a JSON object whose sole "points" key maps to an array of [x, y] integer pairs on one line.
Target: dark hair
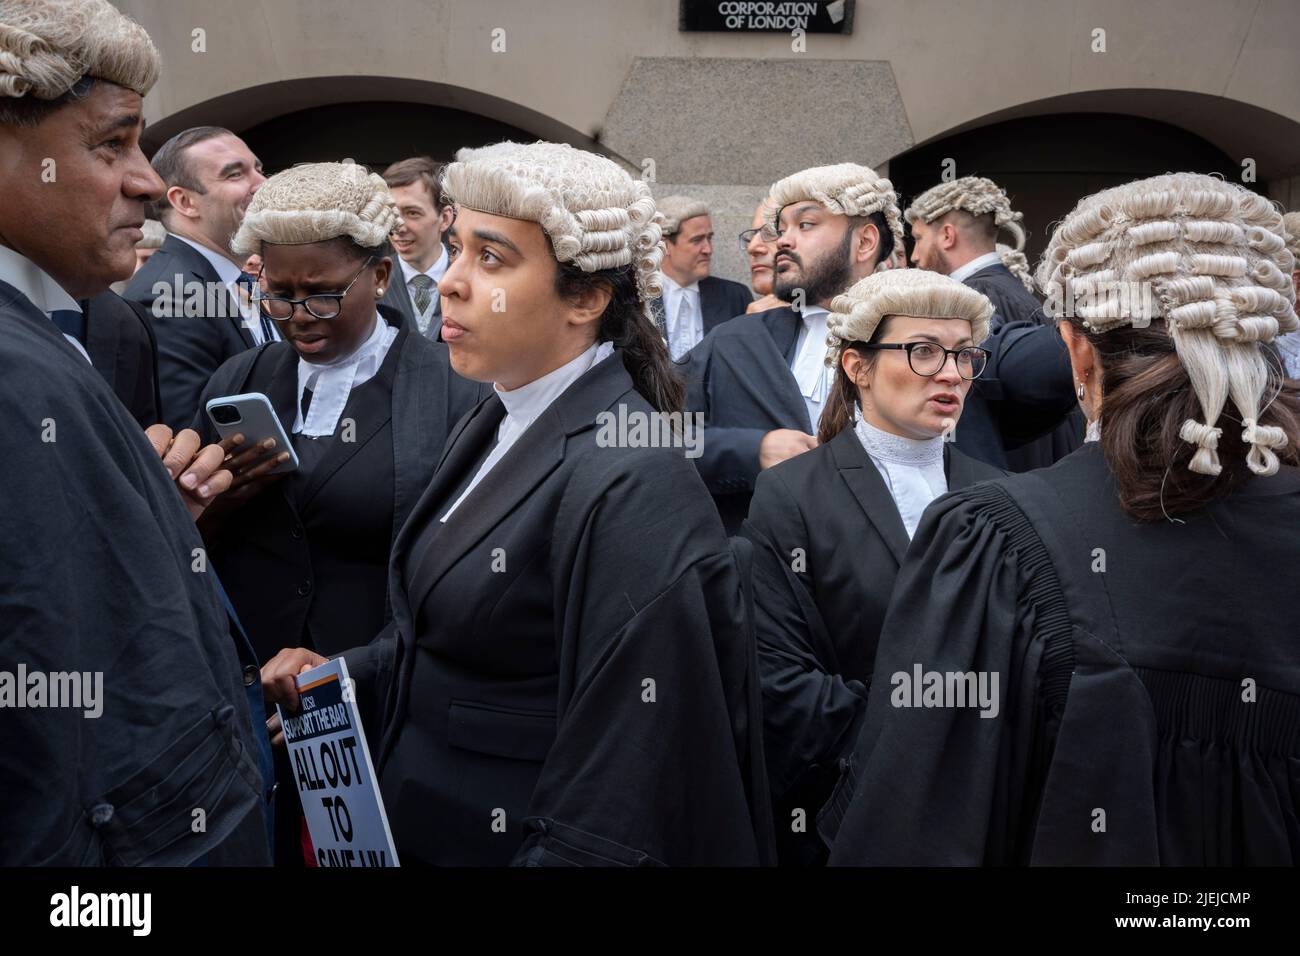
{"points": [[1146, 396], [174, 169], [417, 169], [626, 324], [837, 414]]}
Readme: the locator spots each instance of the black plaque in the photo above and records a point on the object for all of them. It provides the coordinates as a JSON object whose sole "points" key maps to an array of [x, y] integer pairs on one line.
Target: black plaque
{"points": [[766, 16]]}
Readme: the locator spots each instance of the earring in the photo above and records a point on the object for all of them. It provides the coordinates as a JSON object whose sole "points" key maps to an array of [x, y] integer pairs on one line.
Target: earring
{"points": [[1081, 392], [379, 292]]}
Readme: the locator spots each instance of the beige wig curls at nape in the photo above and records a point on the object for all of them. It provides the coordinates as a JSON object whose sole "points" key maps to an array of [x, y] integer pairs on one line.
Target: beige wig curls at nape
{"points": [[47, 46], [595, 214], [977, 196], [857, 312], [1214, 256], [316, 202], [846, 189]]}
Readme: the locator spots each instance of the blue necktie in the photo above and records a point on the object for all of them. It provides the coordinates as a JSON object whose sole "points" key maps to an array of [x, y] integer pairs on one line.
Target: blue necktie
{"points": [[249, 283], [70, 322]]}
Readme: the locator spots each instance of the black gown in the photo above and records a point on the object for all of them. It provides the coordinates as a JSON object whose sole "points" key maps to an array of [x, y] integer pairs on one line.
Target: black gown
{"points": [[97, 574], [1148, 707], [828, 540], [568, 678]]}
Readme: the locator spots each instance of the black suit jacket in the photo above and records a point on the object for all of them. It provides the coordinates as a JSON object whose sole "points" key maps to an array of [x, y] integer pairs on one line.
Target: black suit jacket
{"points": [[1017, 305], [1011, 300], [828, 542], [120, 340], [196, 322], [720, 300], [519, 627], [739, 378]]}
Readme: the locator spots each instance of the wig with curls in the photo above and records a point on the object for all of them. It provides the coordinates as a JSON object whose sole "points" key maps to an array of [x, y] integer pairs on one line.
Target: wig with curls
{"points": [[845, 189], [595, 214], [316, 202], [977, 197], [1211, 259], [47, 46]]}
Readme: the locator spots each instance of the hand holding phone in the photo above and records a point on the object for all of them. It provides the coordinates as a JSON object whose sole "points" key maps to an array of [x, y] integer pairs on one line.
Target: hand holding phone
{"points": [[252, 416]]}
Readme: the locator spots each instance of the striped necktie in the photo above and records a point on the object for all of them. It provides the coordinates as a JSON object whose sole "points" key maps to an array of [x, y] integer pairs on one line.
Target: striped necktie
{"points": [[423, 296], [248, 282]]}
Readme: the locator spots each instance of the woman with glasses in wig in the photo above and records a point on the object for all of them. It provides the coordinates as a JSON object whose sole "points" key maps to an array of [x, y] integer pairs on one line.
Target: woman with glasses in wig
{"points": [[566, 679], [1128, 610], [830, 526], [367, 406]]}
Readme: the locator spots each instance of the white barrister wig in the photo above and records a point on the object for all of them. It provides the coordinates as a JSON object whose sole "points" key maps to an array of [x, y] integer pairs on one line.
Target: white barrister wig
{"points": [[677, 209], [316, 202], [1017, 264], [47, 46], [976, 196], [1291, 225], [596, 215], [856, 313], [1208, 260], [846, 189]]}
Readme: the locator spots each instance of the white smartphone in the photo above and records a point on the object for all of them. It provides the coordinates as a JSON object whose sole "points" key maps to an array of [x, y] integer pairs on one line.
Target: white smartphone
{"points": [[252, 415]]}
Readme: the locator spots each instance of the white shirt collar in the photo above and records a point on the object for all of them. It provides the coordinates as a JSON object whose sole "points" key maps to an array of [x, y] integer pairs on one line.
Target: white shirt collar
{"points": [[670, 283], [434, 272], [527, 402], [962, 273], [811, 312], [34, 282], [332, 382], [39, 288], [226, 270]]}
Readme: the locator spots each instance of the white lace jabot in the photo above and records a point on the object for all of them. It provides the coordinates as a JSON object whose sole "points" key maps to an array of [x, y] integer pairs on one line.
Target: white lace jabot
{"points": [[912, 468]]}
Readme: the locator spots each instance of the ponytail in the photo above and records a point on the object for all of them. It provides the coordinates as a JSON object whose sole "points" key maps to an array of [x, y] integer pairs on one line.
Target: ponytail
{"points": [[627, 324]]}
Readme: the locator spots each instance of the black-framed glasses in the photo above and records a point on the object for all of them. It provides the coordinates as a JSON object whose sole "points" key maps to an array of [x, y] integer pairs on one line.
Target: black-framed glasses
{"points": [[322, 305], [928, 358], [766, 233]]}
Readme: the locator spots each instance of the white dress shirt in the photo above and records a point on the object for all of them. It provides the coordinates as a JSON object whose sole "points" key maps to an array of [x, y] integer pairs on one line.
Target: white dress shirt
{"points": [[41, 290], [332, 382], [434, 272], [525, 404], [912, 469], [683, 316], [962, 273], [810, 369], [228, 273]]}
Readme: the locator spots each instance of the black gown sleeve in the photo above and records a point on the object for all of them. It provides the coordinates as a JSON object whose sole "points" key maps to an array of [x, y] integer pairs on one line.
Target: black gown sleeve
{"points": [[952, 785], [646, 767], [810, 714]]}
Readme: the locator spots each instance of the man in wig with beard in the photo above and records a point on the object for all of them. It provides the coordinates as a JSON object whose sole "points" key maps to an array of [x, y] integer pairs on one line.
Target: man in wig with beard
{"points": [[761, 380]]}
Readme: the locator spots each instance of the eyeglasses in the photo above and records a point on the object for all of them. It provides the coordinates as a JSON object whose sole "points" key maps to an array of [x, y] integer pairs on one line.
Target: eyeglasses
{"points": [[766, 233], [927, 358], [322, 305]]}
